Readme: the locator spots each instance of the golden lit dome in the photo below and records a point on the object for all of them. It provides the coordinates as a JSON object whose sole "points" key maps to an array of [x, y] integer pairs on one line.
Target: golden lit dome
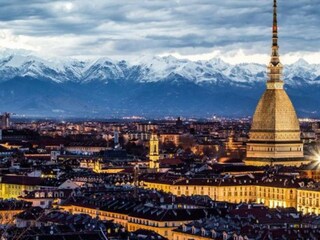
{"points": [[275, 114]]}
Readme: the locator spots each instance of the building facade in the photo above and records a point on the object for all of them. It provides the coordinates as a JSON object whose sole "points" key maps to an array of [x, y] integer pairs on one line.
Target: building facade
{"points": [[280, 191]]}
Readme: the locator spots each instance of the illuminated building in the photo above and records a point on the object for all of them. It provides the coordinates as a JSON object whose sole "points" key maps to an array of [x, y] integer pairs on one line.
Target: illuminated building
{"points": [[311, 171], [233, 190], [170, 137], [225, 190], [278, 191], [308, 200], [11, 146], [234, 150], [146, 127], [154, 152], [113, 161], [97, 165], [46, 197], [100, 167], [13, 186], [134, 215], [277, 194], [275, 131], [90, 163], [10, 208], [88, 148]]}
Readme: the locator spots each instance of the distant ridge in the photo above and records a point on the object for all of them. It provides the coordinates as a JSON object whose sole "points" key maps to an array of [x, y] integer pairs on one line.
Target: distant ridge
{"points": [[149, 86]]}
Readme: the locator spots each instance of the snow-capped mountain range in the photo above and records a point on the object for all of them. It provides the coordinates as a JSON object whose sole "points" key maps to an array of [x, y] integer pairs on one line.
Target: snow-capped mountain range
{"points": [[148, 69], [151, 85]]}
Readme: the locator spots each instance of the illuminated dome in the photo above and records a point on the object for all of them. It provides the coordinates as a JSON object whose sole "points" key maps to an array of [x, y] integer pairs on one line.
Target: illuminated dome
{"points": [[275, 118]]}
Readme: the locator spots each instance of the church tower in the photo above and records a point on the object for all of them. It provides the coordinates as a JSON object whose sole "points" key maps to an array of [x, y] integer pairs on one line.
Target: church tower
{"points": [[154, 152], [274, 137]]}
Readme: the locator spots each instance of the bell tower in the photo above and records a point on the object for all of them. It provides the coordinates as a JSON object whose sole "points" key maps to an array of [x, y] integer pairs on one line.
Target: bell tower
{"points": [[154, 152]]}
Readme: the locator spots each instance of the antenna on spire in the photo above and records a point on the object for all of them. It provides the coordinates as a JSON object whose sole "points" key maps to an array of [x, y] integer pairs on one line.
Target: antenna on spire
{"points": [[275, 67], [275, 47], [275, 24]]}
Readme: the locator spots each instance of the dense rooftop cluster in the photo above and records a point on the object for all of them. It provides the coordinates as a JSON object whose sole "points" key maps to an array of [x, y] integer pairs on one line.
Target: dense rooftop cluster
{"points": [[91, 180]]}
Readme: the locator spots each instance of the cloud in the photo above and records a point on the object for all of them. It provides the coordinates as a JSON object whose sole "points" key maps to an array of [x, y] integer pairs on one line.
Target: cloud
{"points": [[189, 28]]}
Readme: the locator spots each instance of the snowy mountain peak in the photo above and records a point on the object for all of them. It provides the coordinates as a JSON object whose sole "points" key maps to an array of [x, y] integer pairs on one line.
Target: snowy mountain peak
{"points": [[148, 69], [217, 61], [301, 62]]}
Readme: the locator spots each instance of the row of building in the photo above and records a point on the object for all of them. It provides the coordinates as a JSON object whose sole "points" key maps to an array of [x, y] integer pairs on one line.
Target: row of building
{"points": [[272, 191]]}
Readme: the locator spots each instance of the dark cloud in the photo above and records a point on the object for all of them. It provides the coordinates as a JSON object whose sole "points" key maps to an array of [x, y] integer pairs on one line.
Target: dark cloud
{"points": [[126, 27]]}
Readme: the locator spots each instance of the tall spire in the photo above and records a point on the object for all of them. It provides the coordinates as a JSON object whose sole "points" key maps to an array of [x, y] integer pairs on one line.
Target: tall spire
{"points": [[275, 67], [275, 48], [275, 24]]}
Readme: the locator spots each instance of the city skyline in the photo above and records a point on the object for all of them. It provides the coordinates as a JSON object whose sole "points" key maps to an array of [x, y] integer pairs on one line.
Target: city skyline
{"points": [[235, 31], [159, 148]]}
